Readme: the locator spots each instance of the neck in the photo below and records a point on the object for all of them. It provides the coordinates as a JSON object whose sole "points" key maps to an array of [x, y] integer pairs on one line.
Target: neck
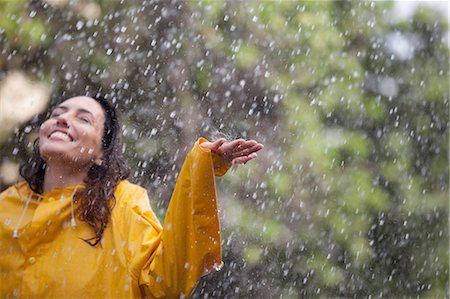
{"points": [[58, 176]]}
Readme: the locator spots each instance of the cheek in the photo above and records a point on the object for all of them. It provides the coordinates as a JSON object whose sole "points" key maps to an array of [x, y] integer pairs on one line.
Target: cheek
{"points": [[44, 129], [96, 148], [93, 141], [100, 145]]}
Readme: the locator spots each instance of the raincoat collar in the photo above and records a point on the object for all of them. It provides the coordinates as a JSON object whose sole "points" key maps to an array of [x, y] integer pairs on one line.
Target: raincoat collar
{"points": [[56, 192]]}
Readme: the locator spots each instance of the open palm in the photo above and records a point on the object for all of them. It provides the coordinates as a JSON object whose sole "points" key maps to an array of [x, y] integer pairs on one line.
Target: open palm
{"points": [[238, 151]]}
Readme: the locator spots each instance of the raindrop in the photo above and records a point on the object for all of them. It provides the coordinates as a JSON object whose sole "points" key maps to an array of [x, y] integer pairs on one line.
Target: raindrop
{"points": [[79, 25]]}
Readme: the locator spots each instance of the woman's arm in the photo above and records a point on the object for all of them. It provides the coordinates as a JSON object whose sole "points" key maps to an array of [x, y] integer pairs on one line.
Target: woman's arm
{"points": [[190, 242]]}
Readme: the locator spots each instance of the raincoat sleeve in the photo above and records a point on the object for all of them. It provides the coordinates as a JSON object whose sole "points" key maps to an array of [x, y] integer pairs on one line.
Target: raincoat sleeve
{"points": [[172, 260]]}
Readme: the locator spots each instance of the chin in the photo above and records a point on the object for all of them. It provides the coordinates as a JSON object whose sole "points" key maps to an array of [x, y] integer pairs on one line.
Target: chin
{"points": [[48, 150], [55, 157], [53, 153]]}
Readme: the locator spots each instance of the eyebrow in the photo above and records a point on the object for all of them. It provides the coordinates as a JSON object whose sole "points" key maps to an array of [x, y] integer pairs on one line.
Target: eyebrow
{"points": [[82, 110]]}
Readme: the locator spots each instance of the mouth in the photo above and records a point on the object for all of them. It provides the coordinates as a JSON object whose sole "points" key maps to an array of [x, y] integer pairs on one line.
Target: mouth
{"points": [[60, 135]]}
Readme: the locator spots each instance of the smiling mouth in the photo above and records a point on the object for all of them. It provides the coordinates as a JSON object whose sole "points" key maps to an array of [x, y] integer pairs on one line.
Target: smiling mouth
{"points": [[58, 135]]}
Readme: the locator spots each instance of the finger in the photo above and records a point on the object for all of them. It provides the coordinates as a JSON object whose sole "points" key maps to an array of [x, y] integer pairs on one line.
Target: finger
{"points": [[248, 151], [213, 145], [247, 144], [217, 144], [206, 145], [244, 159], [230, 147]]}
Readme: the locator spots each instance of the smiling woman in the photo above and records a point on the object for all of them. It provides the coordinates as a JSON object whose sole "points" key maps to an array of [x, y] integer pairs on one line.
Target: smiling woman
{"points": [[79, 143], [78, 172]]}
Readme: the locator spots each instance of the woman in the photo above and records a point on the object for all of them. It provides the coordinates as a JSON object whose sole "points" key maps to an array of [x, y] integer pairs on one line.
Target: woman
{"points": [[77, 228]]}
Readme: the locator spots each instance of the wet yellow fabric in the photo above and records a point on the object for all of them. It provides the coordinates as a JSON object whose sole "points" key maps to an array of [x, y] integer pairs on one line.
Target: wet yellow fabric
{"points": [[137, 258]]}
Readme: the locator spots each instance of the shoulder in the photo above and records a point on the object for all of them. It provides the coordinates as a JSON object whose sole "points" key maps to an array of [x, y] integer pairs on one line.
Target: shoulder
{"points": [[15, 190], [131, 200], [15, 195], [130, 194], [127, 186]]}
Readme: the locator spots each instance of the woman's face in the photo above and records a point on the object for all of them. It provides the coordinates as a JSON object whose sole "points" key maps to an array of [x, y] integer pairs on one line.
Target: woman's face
{"points": [[73, 133]]}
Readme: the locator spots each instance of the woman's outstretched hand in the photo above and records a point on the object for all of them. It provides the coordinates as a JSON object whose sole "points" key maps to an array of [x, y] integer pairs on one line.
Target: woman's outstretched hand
{"points": [[238, 151]]}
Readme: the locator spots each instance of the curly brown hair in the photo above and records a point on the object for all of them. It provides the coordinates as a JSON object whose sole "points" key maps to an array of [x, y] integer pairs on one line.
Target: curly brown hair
{"points": [[97, 200]]}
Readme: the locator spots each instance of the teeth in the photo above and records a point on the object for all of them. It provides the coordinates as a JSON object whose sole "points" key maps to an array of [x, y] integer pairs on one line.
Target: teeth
{"points": [[60, 135]]}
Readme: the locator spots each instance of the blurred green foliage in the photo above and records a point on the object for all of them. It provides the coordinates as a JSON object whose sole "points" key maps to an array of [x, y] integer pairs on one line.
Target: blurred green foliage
{"points": [[349, 197]]}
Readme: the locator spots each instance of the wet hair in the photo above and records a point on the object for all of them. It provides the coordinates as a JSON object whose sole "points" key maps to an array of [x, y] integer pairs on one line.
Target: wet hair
{"points": [[97, 200]]}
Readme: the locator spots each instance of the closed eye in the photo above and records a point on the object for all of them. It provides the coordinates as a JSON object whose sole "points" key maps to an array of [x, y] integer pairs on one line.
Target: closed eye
{"points": [[85, 119], [57, 112], [55, 115]]}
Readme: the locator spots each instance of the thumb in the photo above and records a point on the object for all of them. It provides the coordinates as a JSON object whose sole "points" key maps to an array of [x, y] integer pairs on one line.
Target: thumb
{"points": [[213, 146], [217, 144]]}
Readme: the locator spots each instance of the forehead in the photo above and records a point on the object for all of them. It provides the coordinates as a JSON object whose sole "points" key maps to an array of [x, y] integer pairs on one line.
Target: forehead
{"points": [[83, 103]]}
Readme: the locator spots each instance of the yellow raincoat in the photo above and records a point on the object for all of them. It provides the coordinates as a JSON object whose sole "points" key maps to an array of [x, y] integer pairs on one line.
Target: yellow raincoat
{"points": [[43, 255]]}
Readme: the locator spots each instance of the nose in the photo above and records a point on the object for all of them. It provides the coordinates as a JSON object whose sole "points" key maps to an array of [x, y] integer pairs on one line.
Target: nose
{"points": [[62, 120]]}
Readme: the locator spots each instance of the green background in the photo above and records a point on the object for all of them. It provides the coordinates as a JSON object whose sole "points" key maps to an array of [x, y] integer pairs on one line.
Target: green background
{"points": [[349, 197]]}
